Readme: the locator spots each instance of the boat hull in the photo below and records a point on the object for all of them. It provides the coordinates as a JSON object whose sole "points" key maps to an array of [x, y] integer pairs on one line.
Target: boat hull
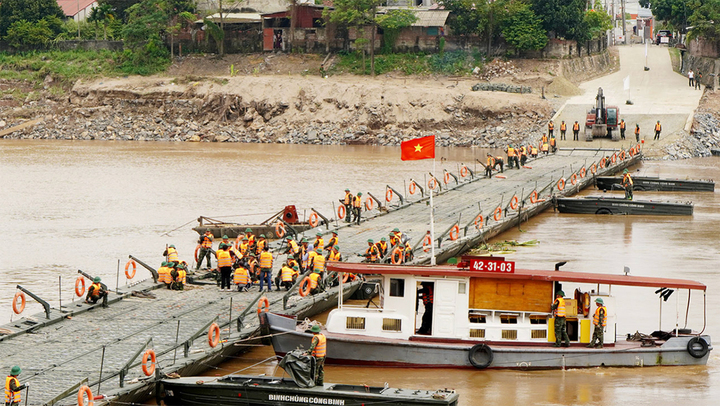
{"points": [[612, 205], [362, 350], [233, 230], [641, 183], [254, 390]]}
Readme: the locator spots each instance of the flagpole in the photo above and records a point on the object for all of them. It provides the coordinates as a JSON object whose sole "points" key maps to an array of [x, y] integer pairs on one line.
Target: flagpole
{"points": [[432, 221]]}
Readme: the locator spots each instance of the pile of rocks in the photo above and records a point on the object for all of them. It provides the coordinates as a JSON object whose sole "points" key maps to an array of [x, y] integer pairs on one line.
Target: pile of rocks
{"points": [[704, 136], [501, 87], [497, 68]]}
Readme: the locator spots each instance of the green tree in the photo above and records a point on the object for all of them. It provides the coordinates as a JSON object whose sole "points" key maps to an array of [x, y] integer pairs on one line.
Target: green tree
{"points": [[392, 23], [357, 13], [598, 22], [103, 14], [676, 13], [465, 18], [30, 11], [120, 7], [705, 19], [26, 33], [147, 22], [564, 18], [522, 29]]}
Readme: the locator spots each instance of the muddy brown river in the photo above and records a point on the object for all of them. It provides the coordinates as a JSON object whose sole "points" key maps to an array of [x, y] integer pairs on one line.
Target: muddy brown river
{"points": [[85, 205]]}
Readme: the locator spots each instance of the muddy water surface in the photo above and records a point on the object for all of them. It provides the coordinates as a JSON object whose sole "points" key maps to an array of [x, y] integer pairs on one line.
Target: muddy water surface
{"points": [[84, 205]]}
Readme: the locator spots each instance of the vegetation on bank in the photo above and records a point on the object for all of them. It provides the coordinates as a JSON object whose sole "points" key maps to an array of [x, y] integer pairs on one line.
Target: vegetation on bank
{"points": [[446, 63]]}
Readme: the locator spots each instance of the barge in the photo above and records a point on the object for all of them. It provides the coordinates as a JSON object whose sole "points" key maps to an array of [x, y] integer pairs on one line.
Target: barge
{"points": [[285, 222], [487, 314], [617, 205], [646, 183]]}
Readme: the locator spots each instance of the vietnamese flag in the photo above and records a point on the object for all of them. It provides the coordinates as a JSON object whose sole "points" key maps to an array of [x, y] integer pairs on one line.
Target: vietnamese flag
{"points": [[419, 148]]}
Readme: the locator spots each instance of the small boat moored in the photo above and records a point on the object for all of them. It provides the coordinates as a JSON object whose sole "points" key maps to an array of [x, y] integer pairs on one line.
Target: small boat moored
{"points": [[618, 205], [648, 183], [285, 222]]}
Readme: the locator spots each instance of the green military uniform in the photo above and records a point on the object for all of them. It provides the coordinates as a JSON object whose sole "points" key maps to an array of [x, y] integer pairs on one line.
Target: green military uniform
{"points": [[558, 307], [599, 321]]}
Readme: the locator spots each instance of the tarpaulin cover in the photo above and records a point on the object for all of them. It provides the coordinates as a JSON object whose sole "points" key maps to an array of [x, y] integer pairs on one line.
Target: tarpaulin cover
{"points": [[300, 367]]}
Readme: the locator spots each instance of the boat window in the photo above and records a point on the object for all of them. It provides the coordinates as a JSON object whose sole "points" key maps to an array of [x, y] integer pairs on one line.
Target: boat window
{"points": [[508, 318], [477, 332], [509, 334], [462, 288], [538, 333], [355, 323], [392, 325], [476, 318], [397, 287], [538, 319]]}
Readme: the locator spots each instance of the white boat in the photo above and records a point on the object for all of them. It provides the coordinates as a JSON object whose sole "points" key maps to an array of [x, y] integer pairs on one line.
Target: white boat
{"points": [[487, 314]]}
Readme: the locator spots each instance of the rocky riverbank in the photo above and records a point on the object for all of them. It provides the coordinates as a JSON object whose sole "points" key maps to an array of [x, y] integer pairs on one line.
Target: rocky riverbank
{"points": [[704, 134]]}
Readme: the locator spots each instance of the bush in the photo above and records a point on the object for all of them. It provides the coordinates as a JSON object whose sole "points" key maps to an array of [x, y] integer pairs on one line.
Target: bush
{"points": [[23, 33]]}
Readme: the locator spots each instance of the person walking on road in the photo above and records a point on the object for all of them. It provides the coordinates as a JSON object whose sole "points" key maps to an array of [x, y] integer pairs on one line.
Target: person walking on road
{"points": [[599, 321], [13, 389], [691, 78], [658, 128], [637, 132], [622, 129], [558, 309], [698, 78], [576, 131]]}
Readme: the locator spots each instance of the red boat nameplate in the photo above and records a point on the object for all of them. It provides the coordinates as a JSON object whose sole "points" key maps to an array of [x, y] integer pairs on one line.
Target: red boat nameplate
{"points": [[490, 264]]}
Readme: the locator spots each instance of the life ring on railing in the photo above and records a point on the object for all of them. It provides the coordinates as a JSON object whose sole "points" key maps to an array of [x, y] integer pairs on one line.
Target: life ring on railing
{"points": [[263, 305], [127, 268], [561, 184], [388, 195], [479, 221], [446, 178], [432, 183], [341, 212], [369, 203], [573, 179], [397, 256], [602, 163], [280, 228], [197, 249], [593, 169], [213, 335], [613, 158], [497, 214], [631, 152], [534, 197], [464, 171], [454, 232], [582, 172], [514, 202], [18, 309], [480, 356], [586, 304], [622, 155], [412, 188], [346, 277], [304, 288], [697, 347], [313, 219], [80, 286], [85, 390], [149, 368], [427, 243]]}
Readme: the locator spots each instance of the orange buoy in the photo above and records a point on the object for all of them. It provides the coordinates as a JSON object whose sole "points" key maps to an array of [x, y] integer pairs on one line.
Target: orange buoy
{"points": [[85, 390], [454, 232], [602, 163], [432, 183], [388, 195], [573, 179], [80, 286], [447, 177], [127, 272], [561, 184], [622, 155], [369, 203], [149, 360], [593, 169], [534, 197], [497, 215], [18, 308], [479, 221], [464, 171], [263, 305], [582, 172], [341, 212], [501, 176], [514, 202], [313, 219], [412, 188], [613, 158], [214, 335], [397, 256], [427, 243], [197, 249], [304, 289], [280, 228]]}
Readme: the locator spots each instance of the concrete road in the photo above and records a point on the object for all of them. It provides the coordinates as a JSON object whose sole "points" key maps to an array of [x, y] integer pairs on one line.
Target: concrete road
{"points": [[657, 94]]}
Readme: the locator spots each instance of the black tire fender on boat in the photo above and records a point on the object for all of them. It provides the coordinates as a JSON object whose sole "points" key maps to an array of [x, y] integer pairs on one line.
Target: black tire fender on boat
{"points": [[603, 211], [697, 347], [480, 356]]}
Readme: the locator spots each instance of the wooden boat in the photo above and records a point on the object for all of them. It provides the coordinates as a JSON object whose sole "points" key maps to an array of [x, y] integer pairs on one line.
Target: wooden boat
{"points": [[647, 183], [618, 205], [487, 314], [290, 221], [239, 390]]}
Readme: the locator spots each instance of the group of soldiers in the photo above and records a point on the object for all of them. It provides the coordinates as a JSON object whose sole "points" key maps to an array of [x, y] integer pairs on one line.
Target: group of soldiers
{"points": [[398, 251], [353, 206]]}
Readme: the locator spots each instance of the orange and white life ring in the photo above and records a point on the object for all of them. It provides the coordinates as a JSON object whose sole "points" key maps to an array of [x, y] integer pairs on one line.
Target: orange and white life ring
{"points": [[586, 304], [369, 203], [412, 188], [18, 308], [313, 219], [534, 197], [446, 178], [497, 214], [479, 221], [454, 232], [304, 288], [427, 243], [79, 286], [213, 335], [464, 171], [128, 274], [432, 183], [582, 172], [341, 212], [397, 256], [613, 158], [593, 169], [561, 184], [573, 179], [263, 305], [197, 249], [85, 390], [280, 228], [622, 155], [602, 163], [149, 361], [514, 202], [388, 195]]}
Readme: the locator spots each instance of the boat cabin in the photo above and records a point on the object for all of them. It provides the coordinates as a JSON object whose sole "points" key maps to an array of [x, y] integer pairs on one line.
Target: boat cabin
{"points": [[480, 299]]}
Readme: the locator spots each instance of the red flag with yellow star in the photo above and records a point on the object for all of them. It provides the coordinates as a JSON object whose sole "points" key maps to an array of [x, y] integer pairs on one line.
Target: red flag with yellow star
{"points": [[419, 148]]}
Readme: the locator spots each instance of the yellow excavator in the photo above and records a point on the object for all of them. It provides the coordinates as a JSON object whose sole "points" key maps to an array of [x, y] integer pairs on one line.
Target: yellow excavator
{"points": [[602, 121]]}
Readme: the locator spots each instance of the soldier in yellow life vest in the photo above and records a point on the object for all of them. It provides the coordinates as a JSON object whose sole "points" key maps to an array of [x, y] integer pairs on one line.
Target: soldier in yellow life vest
{"points": [[244, 246], [382, 246], [318, 349], [357, 208], [253, 267], [553, 144], [622, 129], [499, 162], [316, 282], [347, 202], [225, 261], [599, 321], [241, 278], [658, 128], [637, 132], [13, 389], [396, 238], [558, 309], [332, 241], [251, 240], [205, 241], [304, 254], [171, 254], [288, 276], [576, 131], [627, 183], [408, 251], [164, 274], [260, 245], [490, 164], [319, 242], [551, 128], [179, 276], [545, 148], [266, 263], [294, 250], [371, 253], [96, 292], [544, 139], [512, 158], [318, 262], [334, 254], [533, 151], [563, 129], [523, 155]]}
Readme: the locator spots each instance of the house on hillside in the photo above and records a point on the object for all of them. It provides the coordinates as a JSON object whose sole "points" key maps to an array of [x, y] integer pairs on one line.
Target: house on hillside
{"points": [[311, 32], [78, 10], [244, 6]]}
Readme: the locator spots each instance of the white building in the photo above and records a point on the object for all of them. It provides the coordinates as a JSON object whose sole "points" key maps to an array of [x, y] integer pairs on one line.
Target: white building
{"points": [[79, 10]]}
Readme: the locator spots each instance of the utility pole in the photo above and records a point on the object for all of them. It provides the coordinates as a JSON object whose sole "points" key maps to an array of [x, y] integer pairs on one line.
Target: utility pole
{"points": [[623, 22], [614, 20], [78, 19]]}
